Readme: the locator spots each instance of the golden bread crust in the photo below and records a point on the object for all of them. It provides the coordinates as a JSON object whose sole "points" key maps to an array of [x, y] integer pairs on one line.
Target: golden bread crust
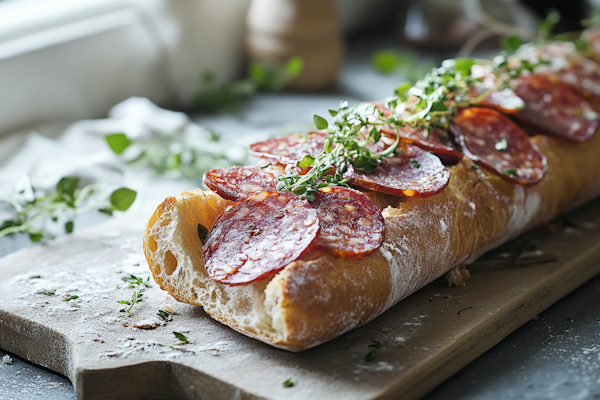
{"points": [[321, 296]]}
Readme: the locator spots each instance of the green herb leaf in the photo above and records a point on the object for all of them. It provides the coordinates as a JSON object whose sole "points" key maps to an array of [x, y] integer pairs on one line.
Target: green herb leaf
{"points": [[376, 344], [180, 336], [47, 292], [320, 122], [118, 142], [288, 383], [209, 77], [123, 302], [69, 226], [511, 43], [165, 316], [122, 198], [202, 233], [35, 237], [387, 61], [463, 66], [65, 190], [402, 89], [415, 163], [307, 161], [294, 67], [370, 356], [510, 171], [266, 165], [70, 298], [502, 144], [474, 167], [546, 26], [365, 164]]}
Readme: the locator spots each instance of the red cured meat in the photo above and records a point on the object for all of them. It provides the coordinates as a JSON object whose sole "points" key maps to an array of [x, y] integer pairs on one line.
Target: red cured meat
{"points": [[416, 173], [493, 141], [351, 224], [258, 236], [437, 141], [291, 148], [237, 182], [557, 108]]}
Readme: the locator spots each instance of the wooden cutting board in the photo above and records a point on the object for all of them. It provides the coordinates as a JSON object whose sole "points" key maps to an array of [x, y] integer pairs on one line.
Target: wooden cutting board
{"points": [[425, 338]]}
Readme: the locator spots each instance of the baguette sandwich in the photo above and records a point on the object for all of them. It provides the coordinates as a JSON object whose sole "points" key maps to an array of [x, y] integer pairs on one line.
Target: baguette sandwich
{"points": [[496, 183]]}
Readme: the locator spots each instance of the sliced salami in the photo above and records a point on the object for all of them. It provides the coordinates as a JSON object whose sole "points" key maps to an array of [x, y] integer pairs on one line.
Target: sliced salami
{"points": [[435, 141], [351, 224], [504, 100], [291, 148], [237, 182], [415, 172], [493, 141], [259, 235], [559, 109]]}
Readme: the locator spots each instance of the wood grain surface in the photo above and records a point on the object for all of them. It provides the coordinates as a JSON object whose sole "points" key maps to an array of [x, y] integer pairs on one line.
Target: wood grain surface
{"points": [[425, 338]]}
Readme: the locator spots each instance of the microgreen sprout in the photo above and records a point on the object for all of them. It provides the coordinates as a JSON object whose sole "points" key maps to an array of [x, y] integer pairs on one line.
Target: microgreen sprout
{"points": [[182, 339], [288, 383]]}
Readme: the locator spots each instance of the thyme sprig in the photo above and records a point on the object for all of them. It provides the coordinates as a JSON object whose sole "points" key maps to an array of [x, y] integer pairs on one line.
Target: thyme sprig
{"points": [[140, 286]]}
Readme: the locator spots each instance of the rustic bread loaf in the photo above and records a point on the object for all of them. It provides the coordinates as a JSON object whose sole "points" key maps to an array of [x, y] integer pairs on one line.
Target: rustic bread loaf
{"points": [[321, 296]]}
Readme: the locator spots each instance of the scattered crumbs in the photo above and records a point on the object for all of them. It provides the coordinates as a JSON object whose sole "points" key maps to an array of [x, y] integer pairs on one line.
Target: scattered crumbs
{"points": [[458, 276], [400, 339], [386, 330], [7, 360], [446, 296], [459, 301], [35, 276], [531, 254], [72, 303], [150, 323], [98, 340], [429, 300]]}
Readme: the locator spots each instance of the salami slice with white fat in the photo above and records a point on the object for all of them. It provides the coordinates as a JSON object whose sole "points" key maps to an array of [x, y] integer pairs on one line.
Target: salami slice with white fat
{"points": [[415, 172], [259, 235], [493, 141], [237, 182], [291, 148], [557, 108], [436, 141], [351, 224]]}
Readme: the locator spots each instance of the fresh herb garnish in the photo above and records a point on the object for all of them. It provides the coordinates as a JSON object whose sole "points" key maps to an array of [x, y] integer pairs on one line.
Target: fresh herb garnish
{"points": [[510, 171], [202, 233], [267, 76], [165, 316], [288, 382], [415, 163], [185, 154], [370, 356], [474, 167], [405, 64], [35, 208], [47, 292], [67, 298], [140, 286]]}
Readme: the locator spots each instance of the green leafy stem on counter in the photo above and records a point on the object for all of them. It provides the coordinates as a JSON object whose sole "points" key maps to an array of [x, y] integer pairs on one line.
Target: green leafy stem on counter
{"points": [[268, 76], [66, 201], [181, 155]]}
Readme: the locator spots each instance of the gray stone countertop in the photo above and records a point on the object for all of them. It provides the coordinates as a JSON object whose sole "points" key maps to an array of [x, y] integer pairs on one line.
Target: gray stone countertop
{"points": [[554, 356]]}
